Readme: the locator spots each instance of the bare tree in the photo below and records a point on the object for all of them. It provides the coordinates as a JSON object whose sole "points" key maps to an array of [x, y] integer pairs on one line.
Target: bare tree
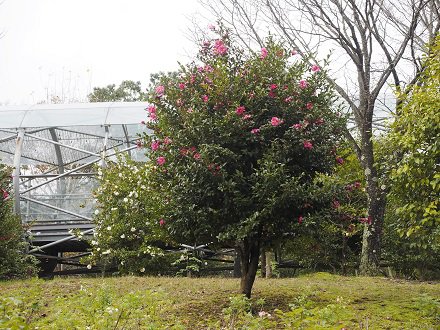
{"points": [[377, 43]]}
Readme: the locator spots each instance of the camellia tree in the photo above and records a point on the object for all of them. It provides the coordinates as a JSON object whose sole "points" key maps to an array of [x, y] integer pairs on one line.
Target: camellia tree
{"points": [[238, 141]]}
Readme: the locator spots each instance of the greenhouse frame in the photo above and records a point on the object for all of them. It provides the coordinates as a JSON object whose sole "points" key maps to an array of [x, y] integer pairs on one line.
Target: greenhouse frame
{"points": [[54, 151]]}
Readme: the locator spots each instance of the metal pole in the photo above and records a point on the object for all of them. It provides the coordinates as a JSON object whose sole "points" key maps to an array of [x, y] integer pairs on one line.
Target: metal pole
{"points": [[16, 172], [59, 241]]}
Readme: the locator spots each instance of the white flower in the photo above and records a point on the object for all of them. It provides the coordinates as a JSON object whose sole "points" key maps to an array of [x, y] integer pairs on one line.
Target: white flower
{"points": [[106, 252], [96, 212], [383, 187], [142, 270], [133, 229], [125, 199], [120, 175], [122, 236], [89, 266], [114, 208], [109, 228], [116, 193], [367, 171]]}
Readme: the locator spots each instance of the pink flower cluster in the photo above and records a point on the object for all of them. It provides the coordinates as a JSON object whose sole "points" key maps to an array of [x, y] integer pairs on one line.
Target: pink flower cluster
{"points": [[263, 53], [275, 121], [152, 112], [5, 194], [220, 47], [307, 144], [240, 110], [160, 90], [161, 160]]}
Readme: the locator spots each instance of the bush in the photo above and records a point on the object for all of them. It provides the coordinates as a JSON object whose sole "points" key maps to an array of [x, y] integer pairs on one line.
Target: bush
{"points": [[14, 263]]}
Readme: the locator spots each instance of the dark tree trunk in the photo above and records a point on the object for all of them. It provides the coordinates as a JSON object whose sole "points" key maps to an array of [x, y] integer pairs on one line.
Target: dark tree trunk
{"points": [[249, 252], [372, 236]]}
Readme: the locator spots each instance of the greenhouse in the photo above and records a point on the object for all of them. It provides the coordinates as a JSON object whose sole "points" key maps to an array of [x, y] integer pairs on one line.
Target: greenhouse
{"points": [[54, 151]]}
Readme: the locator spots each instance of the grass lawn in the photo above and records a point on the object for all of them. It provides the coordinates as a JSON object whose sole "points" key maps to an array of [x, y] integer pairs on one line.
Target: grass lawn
{"points": [[318, 301]]}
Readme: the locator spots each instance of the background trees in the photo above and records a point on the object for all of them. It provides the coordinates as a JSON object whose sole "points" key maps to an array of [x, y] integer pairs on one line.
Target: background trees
{"points": [[376, 43], [127, 91]]}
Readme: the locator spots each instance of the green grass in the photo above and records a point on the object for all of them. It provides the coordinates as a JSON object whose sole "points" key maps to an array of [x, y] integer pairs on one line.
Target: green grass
{"points": [[318, 301]]}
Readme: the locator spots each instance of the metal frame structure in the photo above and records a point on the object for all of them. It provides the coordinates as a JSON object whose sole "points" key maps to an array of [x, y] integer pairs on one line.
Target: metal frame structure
{"points": [[53, 150]]}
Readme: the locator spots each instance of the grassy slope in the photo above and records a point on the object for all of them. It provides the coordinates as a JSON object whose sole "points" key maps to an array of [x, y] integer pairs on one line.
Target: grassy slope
{"points": [[350, 302]]}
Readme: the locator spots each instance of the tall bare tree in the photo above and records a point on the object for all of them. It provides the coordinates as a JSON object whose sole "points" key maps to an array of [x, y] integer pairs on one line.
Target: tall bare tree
{"points": [[377, 43]]}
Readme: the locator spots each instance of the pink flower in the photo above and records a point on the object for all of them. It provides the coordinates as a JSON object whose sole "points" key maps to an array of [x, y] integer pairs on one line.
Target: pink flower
{"points": [[139, 144], [367, 220], [5, 194], [263, 53], [273, 87], [161, 222], [309, 105], [197, 156], [182, 86], [153, 116], [315, 68], [307, 144], [192, 149], [297, 126], [303, 84], [275, 121], [294, 52], [161, 160], [190, 110], [255, 130], [272, 94], [240, 110], [300, 219], [155, 145], [247, 116], [167, 141], [340, 160], [183, 151], [288, 99], [160, 90], [220, 48], [211, 27], [151, 109], [336, 204], [357, 184], [319, 121], [208, 68], [205, 98]]}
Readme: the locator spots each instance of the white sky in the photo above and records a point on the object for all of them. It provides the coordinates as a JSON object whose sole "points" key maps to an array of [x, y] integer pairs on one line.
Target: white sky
{"points": [[67, 47]]}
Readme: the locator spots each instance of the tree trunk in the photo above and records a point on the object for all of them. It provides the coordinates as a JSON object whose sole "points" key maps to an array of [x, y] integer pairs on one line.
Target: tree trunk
{"points": [[249, 252], [371, 242], [269, 260], [263, 263]]}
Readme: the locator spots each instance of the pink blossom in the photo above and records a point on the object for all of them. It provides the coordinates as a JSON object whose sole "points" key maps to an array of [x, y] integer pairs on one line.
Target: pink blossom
{"points": [[340, 160], [197, 156], [179, 102], [190, 110], [192, 79], [5, 194], [247, 116], [192, 149], [297, 126], [155, 145], [255, 130], [336, 204], [205, 98], [309, 105], [240, 110], [357, 185], [367, 220], [208, 68], [294, 52], [300, 219], [160, 90], [167, 141], [273, 87], [275, 121], [153, 116], [211, 27], [288, 99], [263, 53], [319, 121], [161, 222], [151, 109], [272, 94], [183, 151], [307, 144], [182, 86], [139, 144], [161, 160], [303, 84], [220, 48], [315, 68]]}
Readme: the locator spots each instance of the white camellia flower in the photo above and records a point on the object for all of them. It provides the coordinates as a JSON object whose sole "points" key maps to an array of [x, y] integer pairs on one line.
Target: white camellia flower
{"points": [[122, 236], [109, 228], [125, 200], [142, 270], [133, 229], [106, 252], [89, 266], [116, 193], [96, 212]]}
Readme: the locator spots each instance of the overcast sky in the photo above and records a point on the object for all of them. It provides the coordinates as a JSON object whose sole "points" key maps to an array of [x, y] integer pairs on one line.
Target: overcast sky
{"points": [[67, 47]]}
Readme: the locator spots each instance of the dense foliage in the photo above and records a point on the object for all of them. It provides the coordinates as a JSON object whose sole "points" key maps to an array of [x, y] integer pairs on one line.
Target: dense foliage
{"points": [[127, 91], [13, 261], [238, 143]]}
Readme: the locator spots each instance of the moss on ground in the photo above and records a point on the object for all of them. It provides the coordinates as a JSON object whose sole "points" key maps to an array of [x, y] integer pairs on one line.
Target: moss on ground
{"points": [[317, 301]]}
